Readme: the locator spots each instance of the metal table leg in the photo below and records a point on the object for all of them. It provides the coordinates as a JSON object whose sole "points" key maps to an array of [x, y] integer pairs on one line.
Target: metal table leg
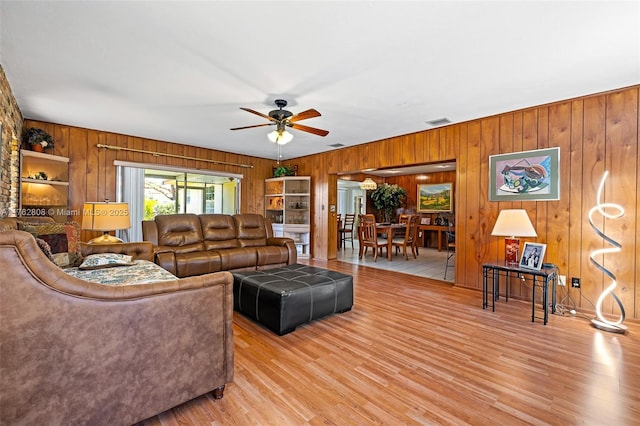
{"points": [[533, 301], [485, 289]]}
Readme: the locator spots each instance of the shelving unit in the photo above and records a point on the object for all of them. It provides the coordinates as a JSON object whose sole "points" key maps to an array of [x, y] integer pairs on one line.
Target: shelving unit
{"points": [[287, 205], [44, 185]]}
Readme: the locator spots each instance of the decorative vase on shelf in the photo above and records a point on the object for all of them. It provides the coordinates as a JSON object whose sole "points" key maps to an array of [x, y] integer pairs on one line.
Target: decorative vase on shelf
{"points": [[37, 148]]}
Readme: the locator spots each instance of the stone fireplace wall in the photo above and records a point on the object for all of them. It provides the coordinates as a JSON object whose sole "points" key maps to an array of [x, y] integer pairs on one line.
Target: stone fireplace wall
{"points": [[11, 120]]}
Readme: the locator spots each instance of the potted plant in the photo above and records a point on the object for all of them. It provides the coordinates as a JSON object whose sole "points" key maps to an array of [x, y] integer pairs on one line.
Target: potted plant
{"points": [[387, 198], [283, 171], [38, 139]]}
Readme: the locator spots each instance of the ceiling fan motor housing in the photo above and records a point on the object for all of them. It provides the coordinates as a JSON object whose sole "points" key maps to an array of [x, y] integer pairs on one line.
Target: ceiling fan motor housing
{"points": [[280, 114]]}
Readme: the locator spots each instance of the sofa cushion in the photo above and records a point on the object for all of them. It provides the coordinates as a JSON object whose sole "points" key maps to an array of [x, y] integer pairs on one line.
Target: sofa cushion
{"points": [[63, 239], [218, 231], [238, 258], [251, 230], [197, 263], [179, 230]]}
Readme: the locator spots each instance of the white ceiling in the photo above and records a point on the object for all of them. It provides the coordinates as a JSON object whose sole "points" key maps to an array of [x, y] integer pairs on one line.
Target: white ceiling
{"points": [[179, 71]]}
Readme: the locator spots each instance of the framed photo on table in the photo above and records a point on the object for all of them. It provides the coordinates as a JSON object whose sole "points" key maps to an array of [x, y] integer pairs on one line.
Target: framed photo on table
{"points": [[532, 256]]}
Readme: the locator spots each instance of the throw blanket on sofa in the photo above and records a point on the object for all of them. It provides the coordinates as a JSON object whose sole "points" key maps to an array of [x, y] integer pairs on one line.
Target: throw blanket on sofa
{"points": [[141, 272]]}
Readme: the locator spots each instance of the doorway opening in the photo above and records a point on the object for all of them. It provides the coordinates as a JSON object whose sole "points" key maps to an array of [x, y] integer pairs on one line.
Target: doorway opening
{"points": [[432, 256]]}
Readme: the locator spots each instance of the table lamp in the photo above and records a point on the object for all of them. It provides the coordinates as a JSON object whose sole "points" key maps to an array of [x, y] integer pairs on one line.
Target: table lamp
{"points": [[105, 217], [512, 223]]}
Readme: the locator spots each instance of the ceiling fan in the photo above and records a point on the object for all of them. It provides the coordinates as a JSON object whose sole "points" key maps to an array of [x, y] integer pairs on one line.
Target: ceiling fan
{"points": [[283, 119]]}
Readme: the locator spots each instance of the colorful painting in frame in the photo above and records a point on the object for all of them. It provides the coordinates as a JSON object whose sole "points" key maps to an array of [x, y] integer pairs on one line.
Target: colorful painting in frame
{"points": [[435, 197], [525, 176]]}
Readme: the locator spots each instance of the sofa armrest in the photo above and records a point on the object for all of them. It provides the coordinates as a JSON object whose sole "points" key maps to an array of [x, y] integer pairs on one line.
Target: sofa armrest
{"points": [[139, 251], [167, 260], [289, 244]]}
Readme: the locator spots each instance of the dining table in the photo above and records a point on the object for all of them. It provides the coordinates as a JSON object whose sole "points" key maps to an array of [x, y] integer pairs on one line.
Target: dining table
{"points": [[389, 229]]}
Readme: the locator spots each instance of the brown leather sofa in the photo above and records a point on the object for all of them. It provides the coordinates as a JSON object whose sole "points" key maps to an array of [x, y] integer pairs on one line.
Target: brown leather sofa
{"points": [[189, 244], [75, 352]]}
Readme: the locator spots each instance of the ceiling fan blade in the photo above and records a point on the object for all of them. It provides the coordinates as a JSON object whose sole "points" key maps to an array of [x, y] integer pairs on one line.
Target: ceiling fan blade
{"points": [[257, 113], [308, 129], [249, 127], [310, 113]]}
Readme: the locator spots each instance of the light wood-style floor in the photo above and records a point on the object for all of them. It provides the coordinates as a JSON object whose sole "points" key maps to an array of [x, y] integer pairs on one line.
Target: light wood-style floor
{"points": [[421, 352]]}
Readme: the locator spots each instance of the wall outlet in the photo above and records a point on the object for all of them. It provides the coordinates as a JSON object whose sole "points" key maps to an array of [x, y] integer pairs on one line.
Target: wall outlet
{"points": [[575, 282], [562, 280]]}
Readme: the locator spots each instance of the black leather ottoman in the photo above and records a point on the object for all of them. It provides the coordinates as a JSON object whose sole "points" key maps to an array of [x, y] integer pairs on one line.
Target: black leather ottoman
{"points": [[286, 297]]}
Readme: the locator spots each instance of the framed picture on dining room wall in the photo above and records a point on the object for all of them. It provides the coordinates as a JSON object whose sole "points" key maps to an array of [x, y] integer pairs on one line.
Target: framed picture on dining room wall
{"points": [[525, 176], [434, 198]]}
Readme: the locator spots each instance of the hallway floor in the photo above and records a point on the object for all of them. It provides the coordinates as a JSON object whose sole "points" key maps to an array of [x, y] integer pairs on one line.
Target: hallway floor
{"points": [[430, 263]]}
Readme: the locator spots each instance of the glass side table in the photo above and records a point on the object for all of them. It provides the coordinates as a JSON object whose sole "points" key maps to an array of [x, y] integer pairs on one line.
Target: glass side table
{"points": [[548, 274]]}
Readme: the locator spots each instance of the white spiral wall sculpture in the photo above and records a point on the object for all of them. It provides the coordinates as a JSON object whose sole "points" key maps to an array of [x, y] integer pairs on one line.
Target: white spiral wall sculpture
{"points": [[609, 211]]}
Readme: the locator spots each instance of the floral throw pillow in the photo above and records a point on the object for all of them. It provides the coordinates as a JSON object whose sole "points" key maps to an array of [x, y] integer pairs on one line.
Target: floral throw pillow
{"points": [[63, 239], [106, 260]]}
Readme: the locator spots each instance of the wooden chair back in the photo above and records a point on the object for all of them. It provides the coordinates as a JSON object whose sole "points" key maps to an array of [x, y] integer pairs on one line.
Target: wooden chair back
{"points": [[408, 237], [368, 236]]}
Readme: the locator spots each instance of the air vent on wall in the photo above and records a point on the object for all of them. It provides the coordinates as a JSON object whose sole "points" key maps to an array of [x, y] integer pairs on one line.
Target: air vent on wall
{"points": [[439, 122]]}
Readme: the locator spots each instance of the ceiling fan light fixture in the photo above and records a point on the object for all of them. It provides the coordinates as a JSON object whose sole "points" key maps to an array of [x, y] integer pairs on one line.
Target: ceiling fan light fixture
{"points": [[280, 138]]}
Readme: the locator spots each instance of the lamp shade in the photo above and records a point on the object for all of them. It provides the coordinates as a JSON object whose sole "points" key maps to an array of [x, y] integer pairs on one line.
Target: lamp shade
{"points": [[97, 216], [368, 184], [513, 223]]}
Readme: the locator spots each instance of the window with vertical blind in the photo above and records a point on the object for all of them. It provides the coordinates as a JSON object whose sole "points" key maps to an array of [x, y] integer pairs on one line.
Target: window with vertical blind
{"points": [[151, 190]]}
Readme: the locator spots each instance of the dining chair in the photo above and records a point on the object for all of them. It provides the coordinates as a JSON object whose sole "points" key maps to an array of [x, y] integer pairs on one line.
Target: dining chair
{"points": [[346, 232], [415, 234], [451, 249], [403, 219], [368, 237], [406, 239], [416, 238]]}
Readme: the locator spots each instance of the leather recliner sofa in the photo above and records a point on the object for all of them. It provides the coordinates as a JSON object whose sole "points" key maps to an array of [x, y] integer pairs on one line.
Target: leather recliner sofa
{"points": [[188, 244]]}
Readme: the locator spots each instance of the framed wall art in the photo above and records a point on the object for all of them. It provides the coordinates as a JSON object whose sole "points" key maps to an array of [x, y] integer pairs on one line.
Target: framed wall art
{"points": [[435, 197], [532, 255], [525, 176]]}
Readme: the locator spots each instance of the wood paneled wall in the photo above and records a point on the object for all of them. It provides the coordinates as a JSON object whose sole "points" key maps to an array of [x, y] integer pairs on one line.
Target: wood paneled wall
{"points": [[92, 175], [595, 133]]}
